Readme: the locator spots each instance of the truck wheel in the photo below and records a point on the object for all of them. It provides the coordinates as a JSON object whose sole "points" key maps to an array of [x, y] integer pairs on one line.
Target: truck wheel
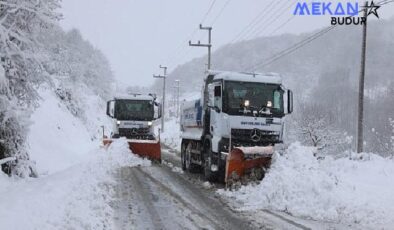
{"points": [[183, 158], [191, 167], [208, 174]]}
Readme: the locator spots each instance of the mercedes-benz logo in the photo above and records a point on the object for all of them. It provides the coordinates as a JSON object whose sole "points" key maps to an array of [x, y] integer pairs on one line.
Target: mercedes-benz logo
{"points": [[255, 135], [134, 131]]}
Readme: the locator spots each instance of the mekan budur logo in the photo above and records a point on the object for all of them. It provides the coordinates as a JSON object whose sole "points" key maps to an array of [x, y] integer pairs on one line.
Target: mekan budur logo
{"points": [[343, 13]]}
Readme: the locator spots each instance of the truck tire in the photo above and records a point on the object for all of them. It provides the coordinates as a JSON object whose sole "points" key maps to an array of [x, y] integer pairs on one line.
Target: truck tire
{"points": [[208, 174], [189, 166], [183, 152]]}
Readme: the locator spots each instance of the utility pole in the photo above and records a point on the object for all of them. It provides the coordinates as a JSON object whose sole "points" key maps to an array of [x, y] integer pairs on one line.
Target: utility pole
{"points": [[177, 97], [164, 76], [209, 45], [360, 139]]}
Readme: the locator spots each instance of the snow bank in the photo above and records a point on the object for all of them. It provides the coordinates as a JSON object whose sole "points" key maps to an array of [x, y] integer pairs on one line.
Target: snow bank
{"points": [[356, 190], [76, 198]]}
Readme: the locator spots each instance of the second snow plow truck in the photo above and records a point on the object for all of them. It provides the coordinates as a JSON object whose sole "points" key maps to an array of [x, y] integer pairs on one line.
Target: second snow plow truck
{"points": [[133, 117], [231, 131]]}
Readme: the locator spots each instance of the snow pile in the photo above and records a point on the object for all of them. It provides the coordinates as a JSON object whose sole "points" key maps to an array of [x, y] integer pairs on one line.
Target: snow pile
{"points": [[76, 198], [356, 190]]}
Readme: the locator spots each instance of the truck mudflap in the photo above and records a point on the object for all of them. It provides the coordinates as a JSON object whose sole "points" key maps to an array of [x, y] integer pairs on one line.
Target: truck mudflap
{"points": [[150, 149], [244, 164]]}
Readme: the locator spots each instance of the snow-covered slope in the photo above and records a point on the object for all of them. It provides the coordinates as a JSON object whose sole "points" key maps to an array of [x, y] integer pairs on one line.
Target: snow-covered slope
{"points": [[354, 190], [58, 139]]}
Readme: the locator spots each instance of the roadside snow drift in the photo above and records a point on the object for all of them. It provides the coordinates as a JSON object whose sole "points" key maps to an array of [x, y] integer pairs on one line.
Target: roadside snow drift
{"points": [[76, 198], [356, 190]]}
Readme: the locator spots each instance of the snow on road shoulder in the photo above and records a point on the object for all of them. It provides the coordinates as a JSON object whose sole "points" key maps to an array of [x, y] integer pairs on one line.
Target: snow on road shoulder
{"points": [[171, 134], [356, 190], [76, 198]]}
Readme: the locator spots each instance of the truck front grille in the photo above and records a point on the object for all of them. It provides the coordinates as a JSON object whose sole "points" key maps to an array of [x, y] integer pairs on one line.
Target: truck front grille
{"points": [[136, 133], [254, 136]]}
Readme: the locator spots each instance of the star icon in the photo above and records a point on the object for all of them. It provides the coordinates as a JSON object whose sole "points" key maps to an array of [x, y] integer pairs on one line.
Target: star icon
{"points": [[372, 9]]}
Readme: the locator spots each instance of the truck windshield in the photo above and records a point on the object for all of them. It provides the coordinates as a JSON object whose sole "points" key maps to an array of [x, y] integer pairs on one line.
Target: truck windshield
{"points": [[259, 96], [137, 110]]}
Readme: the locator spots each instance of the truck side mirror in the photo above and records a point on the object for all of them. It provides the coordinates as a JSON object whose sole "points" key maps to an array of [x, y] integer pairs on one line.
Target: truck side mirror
{"points": [[157, 110], [110, 108], [290, 101]]}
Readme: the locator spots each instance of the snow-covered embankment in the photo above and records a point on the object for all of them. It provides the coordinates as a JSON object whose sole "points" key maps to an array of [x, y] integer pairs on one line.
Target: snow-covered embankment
{"points": [[355, 190], [74, 189]]}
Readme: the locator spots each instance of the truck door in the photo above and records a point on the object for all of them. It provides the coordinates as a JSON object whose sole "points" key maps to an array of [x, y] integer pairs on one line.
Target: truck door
{"points": [[215, 96]]}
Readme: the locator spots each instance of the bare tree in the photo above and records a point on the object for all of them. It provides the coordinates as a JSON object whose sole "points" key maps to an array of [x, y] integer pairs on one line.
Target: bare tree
{"points": [[315, 127], [20, 24]]}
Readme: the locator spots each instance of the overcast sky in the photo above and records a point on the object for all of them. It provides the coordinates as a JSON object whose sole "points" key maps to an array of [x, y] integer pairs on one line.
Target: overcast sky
{"points": [[139, 35]]}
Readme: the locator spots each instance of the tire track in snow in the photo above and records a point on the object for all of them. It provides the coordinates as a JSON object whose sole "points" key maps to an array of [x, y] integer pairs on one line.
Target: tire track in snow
{"points": [[176, 196], [146, 195]]}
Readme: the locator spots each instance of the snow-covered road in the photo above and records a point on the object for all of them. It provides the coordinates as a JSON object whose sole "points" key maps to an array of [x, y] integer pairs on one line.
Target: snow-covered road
{"points": [[156, 198], [162, 197], [150, 198]]}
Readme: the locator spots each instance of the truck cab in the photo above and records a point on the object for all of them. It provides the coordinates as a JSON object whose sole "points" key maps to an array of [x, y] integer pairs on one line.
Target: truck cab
{"points": [[235, 110], [133, 116], [248, 108]]}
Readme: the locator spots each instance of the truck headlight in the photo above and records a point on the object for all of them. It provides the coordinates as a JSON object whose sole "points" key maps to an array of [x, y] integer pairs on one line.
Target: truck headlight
{"points": [[149, 123], [246, 103], [269, 104], [118, 122]]}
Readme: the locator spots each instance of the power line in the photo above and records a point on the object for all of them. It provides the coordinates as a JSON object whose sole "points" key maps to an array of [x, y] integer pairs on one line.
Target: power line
{"points": [[284, 52], [302, 43], [207, 13], [282, 25], [253, 23], [220, 12], [217, 16], [292, 48], [188, 49], [181, 47], [385, 2], [272, 19]]}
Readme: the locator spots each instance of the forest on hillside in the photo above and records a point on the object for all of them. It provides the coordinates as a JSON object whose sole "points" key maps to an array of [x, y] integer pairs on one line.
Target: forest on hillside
{"points": [[36, 51]]}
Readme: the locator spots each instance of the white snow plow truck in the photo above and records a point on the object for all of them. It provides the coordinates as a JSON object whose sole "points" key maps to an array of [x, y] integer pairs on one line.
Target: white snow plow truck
{"points": [[231, 131], [133, 116]]}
